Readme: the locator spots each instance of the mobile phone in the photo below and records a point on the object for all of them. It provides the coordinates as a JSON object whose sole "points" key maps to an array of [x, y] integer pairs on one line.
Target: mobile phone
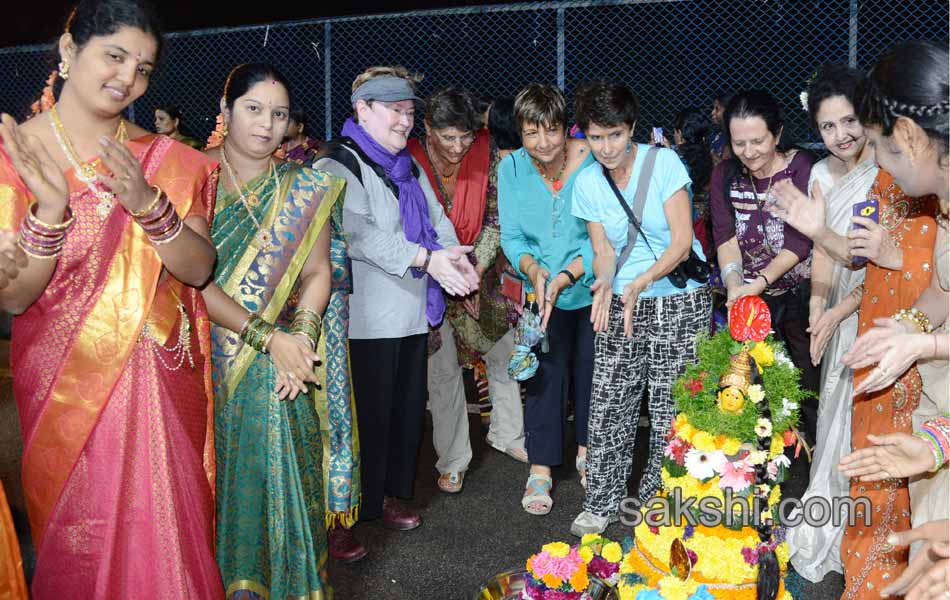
{"points": [[869, 209], [658, 136]]}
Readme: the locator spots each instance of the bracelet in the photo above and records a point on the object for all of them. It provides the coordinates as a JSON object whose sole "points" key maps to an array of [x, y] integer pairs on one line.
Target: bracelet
{"points": [[767, 282], [257, 333], [933, 441], [307, 322], [425, 265], [151, 206], [732, 267], [917, 317], [569, 276], [43, 240]]}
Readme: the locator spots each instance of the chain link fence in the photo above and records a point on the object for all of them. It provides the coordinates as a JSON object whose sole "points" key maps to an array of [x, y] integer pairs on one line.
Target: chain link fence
{"points": [[674, 53]]}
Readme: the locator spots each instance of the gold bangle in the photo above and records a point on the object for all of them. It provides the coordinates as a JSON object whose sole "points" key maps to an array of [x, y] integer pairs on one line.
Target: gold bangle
{"points": [[65, 224], [152, 205], [917, 317]]}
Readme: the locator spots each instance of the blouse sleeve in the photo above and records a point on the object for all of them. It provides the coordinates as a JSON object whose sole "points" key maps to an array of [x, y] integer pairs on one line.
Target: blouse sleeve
{"points": [[723, 218]]}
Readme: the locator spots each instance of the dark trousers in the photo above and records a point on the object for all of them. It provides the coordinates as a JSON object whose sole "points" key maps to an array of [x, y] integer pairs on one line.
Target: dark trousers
{"points": [[571, 342], [389, 382], [790, 322]]}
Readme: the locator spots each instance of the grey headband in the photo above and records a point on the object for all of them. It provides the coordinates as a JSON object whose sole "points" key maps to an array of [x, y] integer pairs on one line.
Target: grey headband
{"points": [[388, 88]]}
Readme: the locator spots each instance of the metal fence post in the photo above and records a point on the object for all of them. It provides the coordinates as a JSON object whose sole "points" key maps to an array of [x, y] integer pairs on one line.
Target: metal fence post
{"points": [[853, 35], [327, 89], [560, 48]]}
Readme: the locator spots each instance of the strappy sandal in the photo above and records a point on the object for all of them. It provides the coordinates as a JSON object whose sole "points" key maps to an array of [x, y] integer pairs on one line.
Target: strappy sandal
{"points": [[451, 483], [538, 492], [519, 454], [580, 463]]}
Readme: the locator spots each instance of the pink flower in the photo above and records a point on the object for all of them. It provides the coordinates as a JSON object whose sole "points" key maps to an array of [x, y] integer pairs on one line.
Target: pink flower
{"points": [[736, 475], [693, 557], [655, 530], [676, 450], [750, 555], [542, 563]]}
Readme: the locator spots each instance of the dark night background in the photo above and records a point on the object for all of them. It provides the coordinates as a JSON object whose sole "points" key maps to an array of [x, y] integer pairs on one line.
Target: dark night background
{"points": [[42, 21]]}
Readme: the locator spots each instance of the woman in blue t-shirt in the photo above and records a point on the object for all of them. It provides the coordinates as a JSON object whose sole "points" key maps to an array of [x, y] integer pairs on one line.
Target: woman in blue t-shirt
{"points": [[645, 326]]}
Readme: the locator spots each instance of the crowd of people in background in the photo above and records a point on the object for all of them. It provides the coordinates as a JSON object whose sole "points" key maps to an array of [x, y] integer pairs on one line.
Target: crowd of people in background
{"points": [[223, 353]]}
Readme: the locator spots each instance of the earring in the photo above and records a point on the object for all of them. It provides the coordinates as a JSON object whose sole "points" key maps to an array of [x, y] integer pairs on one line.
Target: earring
{"points": [[629, 147], [64, 69]]}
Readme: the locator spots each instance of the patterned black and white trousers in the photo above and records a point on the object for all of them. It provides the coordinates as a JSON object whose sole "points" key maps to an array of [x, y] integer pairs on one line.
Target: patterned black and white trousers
{"points": [[663, 343]]}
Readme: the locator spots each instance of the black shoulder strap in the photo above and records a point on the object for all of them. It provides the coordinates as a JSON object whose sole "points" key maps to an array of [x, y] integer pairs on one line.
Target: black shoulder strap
{"points": [[338, 152]]}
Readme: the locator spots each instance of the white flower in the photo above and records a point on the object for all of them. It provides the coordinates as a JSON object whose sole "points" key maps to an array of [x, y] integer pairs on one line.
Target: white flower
{"points": [[787, 407], [782, 461], [783, 358], [757, 457], [763, 428], [804, 98], [756, 393], [704, 465]]}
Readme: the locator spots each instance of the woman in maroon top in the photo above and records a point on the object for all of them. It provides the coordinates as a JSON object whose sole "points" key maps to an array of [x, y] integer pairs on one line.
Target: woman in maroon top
{"points": [[758, 253]]}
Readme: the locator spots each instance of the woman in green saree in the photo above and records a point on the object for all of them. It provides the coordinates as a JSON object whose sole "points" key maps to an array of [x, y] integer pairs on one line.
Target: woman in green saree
{"points": [[270, 290]]}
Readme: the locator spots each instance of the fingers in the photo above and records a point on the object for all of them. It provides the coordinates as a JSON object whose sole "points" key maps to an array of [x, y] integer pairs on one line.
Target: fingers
{"points": [[628, 319], [545, 316], [934, 531], [910, 575]]}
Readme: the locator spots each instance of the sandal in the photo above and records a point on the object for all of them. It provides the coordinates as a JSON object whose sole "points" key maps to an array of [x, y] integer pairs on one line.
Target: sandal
{"points": [[537, 493], [580, 463], [519, 454], [451, 483]]}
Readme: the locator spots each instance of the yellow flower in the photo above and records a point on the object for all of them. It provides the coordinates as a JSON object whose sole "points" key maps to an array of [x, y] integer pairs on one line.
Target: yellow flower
{"points": [[703, 441], [731, 446], [551, 580], [579, 580], [681, 420], [612, 552], [756, 393], [777, 447], [685, 432], [763, 354], [672, 588], [731, 400], [775, 495], [556, 549], [586, 553], [781, 553], [767, 515]]}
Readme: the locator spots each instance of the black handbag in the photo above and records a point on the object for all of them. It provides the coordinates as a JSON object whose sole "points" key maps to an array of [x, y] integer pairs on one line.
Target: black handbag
{"points": [[692, 267]]}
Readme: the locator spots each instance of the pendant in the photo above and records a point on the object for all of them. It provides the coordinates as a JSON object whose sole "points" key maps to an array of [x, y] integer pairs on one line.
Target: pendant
{"points": [[106, 202], [253, 200], [557, 185]]}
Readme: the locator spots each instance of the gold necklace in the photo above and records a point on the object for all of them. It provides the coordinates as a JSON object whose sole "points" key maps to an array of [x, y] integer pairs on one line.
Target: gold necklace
{"points": [[86, 171], [262, 236], [444, 178]]}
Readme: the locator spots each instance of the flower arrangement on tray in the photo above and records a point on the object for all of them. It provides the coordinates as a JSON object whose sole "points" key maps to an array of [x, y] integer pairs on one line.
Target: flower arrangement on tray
{"points": [[558, 572], [736, 411]]}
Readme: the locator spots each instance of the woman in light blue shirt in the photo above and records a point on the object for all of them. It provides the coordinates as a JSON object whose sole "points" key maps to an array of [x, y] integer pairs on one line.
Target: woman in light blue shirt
{"points": [[546, 244], [646, 326]]}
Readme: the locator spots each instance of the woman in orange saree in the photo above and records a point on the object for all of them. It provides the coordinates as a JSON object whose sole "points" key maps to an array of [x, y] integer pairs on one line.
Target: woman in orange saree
{"points": [[111, 336]]}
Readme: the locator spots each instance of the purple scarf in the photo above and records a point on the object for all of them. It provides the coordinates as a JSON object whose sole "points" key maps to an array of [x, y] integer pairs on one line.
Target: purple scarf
{"points": [[413, 207]]}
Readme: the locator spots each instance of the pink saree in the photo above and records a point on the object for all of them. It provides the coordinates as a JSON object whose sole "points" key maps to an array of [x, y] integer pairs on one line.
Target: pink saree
{"points": [[115, 400]]}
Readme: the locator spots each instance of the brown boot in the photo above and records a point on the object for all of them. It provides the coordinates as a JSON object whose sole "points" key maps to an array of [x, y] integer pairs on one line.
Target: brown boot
{"points": [[343, 545]]}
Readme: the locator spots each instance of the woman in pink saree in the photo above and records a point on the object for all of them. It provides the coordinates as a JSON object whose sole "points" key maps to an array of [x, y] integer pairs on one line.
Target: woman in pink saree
{"points": [[111, 338]]}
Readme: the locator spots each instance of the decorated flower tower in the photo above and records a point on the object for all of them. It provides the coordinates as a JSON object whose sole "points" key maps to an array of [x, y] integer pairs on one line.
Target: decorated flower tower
{"points": [[736, 412]]}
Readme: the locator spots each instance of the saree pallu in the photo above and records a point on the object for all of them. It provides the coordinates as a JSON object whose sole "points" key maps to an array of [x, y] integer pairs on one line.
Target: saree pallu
{"points": [[271, 534], [118, 452], [869, 562], [815, 551]]}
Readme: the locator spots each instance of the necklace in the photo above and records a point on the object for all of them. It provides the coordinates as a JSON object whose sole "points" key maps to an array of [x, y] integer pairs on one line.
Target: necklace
{"points": [[262, 236], [556, 182], [86, 171], [444, 177]]}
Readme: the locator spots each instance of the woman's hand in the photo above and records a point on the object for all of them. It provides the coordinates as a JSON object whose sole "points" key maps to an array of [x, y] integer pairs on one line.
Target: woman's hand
{"points": [[631, 292], [539, 276], [452, 270], [822, 331], [891, 455], [35, 166], [927, 577], [753, 288], [602, 289], [557, 285], [805, 214], [12, 258], [874, 243], [127, 181], [295, 363], [891, 347]]}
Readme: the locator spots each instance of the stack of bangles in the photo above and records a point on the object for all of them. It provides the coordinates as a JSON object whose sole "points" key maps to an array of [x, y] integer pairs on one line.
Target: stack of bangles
{"points": [[917, 317], [307, 323], [257, 333], [159, 219], [43, 240], [936, 433]]}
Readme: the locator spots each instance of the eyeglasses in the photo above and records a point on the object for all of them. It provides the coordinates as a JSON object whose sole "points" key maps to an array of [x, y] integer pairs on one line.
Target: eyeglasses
{"points": [[449, 140]]}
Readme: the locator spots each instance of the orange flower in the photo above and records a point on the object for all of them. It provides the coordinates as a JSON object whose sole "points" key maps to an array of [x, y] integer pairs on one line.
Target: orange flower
{"points": [[551, 580], [579, 580]]}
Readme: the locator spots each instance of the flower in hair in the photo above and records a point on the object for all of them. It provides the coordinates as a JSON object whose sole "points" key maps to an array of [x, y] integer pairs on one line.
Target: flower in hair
{"points": [[47, 99], [804, 98]]}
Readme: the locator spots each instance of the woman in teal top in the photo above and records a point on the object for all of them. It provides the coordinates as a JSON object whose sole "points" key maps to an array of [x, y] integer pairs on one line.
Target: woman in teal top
{"points": [[549, 248], [646, 326]]}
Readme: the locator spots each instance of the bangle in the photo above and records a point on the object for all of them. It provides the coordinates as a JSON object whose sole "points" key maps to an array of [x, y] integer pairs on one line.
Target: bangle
{"points": [[917, 317], [257, 333], [151, 206], [309, 323], [732, 267], [569, 276], [767, 282], [43, 240], [425, 264], [936, 447]]}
